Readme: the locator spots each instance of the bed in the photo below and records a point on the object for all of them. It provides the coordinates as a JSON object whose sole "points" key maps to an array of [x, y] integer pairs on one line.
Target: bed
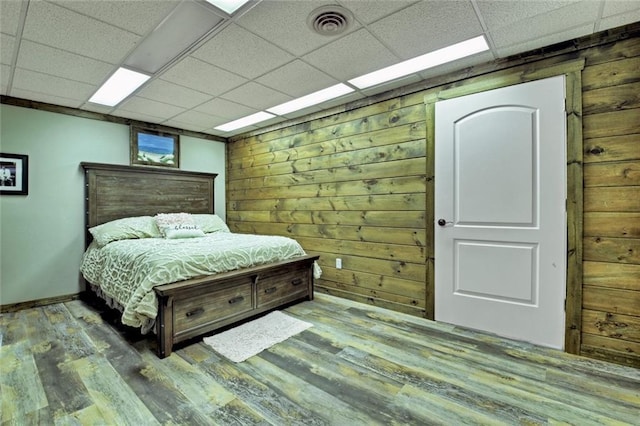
{"points": [[202, 296]]}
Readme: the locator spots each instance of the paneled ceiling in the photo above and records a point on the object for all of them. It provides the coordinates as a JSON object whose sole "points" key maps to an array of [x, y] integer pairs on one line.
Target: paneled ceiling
{"points": [[61, 51]]}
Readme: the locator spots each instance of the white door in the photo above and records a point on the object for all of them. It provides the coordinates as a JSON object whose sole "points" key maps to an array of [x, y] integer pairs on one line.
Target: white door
{"points": [[500, 231]]}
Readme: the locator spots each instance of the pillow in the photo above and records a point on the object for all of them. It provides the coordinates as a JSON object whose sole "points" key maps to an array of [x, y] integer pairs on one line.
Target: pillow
{"points": [[178, 225], [210, 223], [183, 231], [125, 229]]}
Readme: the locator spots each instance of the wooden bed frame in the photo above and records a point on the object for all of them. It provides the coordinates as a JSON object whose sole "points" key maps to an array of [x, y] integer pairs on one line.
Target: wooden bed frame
{"points": [[197, 306]]}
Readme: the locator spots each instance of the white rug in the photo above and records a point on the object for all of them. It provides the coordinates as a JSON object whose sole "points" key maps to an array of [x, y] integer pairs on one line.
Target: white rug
{"points": [[251, 338]]}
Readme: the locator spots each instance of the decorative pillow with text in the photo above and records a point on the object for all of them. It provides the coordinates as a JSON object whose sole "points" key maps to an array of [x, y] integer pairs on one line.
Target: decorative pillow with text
{"points": [[178, 225]]}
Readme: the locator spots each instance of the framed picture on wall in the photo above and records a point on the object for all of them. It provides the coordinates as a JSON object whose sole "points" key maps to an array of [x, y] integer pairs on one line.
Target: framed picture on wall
{"points": [[154, 148], [14, 174]]}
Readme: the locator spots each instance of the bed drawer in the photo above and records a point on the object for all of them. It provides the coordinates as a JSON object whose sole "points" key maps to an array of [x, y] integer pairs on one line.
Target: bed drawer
{"points": [[278, 288], [214, 306]]}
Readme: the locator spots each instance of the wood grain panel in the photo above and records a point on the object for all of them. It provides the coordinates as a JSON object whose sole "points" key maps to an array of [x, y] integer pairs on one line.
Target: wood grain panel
{"points": [[611, 73], [611, 300], [371, 234], [400, 269], [610, 349], [376, 138], [623, 173], [318, 181], [613, 98], [329, 286], [617, 326], [375, 283], [376, 121], [615, 275], [397, 151], [623, 122], [409, 254], [612, 199], [395, 185], [126, 191], [613, 148], [617, 225], [381, 202], [616, 250]]}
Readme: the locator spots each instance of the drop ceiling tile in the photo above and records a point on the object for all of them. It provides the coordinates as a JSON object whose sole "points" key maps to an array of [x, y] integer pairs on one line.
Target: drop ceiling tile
{"points": [[102, 109], [470, 61], [55, 26], [351, 56], [196, 119], [139, 17], [44, 97], [354, 96], [169, 93], [202, 76], [284, 23], [618, 20], [148, 107], [499, 13], [45, 59], [7, 44], [240, 52], [409, 79], [225, 109], [10, 16], [541, 30], [51, 85], [303, 112], [137, 115], [427, 26], [615, 7], [256, 96], [544, 40], [368, 11], [297, 79], [185, 126]]}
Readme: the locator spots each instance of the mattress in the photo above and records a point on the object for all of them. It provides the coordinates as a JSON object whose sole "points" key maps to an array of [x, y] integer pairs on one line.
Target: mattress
{"points": [[126, 271]]}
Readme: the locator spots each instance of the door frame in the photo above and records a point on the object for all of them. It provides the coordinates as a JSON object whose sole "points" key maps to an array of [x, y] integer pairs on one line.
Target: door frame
{"points": [[573, 106]]}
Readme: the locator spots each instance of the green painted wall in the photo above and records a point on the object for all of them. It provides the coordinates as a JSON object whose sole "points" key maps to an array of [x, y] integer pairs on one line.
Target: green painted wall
{"points": [[41, 234]]}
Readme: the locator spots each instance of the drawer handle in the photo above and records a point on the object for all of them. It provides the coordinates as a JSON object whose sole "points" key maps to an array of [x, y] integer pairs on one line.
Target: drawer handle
{"points": [[297, 281], [236, 300], [270, 290], [195, 312]]}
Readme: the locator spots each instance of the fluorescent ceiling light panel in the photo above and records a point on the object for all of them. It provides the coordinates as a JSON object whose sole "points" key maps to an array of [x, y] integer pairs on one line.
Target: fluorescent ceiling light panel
{"points": [[121, 84], [311, 99], [245, 121], [423, 62], [187, 24], [228, 6]]}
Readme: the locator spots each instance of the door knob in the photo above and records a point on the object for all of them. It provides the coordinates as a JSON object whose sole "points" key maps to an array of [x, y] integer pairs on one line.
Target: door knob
{"points": [[442, 222]]}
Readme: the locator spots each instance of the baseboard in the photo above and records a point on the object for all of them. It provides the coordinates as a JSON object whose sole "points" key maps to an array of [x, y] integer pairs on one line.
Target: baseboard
{"points": [[14, 307]]}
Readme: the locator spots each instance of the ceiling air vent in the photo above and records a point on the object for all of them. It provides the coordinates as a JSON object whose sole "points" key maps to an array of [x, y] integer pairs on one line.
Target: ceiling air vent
{"points": [[330, 20]]}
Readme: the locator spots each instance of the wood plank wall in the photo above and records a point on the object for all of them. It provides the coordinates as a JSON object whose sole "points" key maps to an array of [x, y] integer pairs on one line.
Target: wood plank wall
{"points": [[349, 186], [352, 185], [611, 244]]}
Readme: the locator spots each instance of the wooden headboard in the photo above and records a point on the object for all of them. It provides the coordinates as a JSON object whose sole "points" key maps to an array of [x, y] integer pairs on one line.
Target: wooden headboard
{"points": [[115, 191]]}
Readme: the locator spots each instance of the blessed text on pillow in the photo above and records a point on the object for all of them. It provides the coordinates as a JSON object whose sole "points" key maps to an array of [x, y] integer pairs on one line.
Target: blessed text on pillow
{"points": [[178, 225]]}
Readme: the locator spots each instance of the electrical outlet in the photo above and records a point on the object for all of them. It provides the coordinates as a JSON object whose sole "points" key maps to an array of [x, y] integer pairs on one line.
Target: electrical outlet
{"points": [[338, 263]]}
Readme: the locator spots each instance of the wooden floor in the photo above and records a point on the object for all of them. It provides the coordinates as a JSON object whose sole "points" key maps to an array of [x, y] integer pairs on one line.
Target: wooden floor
{"points": [[66, 364]]}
